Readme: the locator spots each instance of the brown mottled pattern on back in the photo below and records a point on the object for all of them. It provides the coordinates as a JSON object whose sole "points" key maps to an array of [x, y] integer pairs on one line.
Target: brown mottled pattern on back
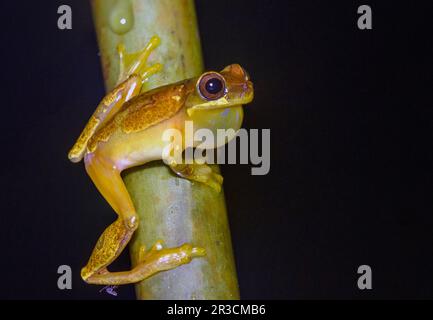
{"points": [[166, 103], [141, 112], [102, 135]]}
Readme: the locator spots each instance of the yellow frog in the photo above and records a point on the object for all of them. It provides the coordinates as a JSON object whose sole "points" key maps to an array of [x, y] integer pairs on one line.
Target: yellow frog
{"points": [[126, 130]]}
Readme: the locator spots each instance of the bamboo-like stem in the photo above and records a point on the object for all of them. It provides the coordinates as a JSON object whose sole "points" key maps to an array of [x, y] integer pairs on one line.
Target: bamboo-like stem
{"points": [[170, 208]]}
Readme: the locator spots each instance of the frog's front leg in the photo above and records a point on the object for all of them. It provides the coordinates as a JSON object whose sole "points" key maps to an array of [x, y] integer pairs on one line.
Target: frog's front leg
{"points": [[198, 172], [113, 240]]}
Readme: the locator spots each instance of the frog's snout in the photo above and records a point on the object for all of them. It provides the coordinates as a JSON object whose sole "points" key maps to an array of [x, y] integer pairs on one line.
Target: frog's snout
{"points": [[236, 71]]}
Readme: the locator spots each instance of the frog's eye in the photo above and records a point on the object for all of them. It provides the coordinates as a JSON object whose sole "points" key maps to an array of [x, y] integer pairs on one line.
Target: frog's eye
{"points": [[211, 86]]}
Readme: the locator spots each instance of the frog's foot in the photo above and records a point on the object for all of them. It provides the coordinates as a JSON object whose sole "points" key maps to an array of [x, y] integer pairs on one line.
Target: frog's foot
{"points": [[200, 173], [155, 260], [136, 63], [143, 253]]}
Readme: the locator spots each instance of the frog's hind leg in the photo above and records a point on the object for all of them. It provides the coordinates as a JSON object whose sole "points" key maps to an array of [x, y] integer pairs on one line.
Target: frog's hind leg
{"points": [[113, 240]]}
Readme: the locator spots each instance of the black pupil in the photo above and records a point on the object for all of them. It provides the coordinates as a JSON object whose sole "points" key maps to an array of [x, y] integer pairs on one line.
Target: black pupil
{"points": [[214, 85]]}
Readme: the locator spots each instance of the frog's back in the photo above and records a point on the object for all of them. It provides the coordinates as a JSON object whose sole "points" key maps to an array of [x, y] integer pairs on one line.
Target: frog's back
{"points": [[142, 112]]}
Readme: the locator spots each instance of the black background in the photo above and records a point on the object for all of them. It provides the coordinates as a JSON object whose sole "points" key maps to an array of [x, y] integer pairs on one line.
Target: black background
{"points": [[351, 152]]}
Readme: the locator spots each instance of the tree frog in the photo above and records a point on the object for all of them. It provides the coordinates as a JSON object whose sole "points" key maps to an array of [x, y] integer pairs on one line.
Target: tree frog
{"points": [[126, 130]]}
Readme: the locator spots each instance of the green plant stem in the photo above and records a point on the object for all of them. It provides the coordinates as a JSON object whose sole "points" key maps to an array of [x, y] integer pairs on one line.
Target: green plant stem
{"points": [[170, 208]]}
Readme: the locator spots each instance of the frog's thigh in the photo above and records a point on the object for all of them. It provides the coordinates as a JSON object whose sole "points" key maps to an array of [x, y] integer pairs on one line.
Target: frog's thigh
{"points": [[200, 173], [107, 179]]}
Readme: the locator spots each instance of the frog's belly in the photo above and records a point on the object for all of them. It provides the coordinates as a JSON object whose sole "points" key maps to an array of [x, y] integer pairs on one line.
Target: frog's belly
{"points": [[136, 148]]}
